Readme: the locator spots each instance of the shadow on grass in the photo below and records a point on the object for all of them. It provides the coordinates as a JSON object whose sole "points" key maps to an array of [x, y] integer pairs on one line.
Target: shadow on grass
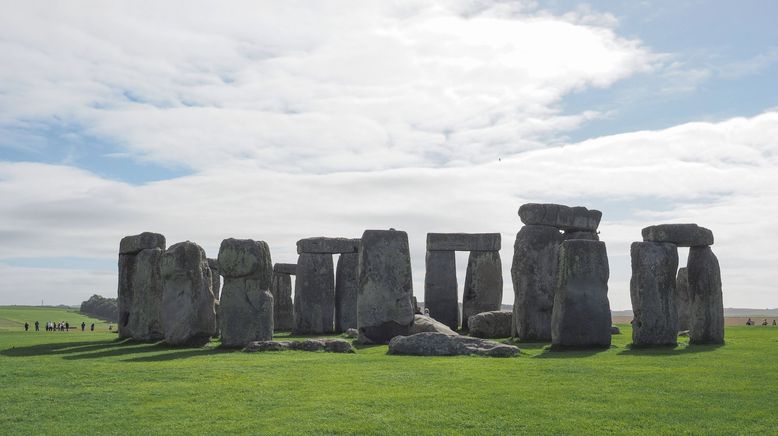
{"points": [[178, 353], [568, 353], [667, 350], [61, 348]]}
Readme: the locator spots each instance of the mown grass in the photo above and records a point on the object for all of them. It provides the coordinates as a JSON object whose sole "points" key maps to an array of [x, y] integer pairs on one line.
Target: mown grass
{"points": [[91, 383], [12, 318]]}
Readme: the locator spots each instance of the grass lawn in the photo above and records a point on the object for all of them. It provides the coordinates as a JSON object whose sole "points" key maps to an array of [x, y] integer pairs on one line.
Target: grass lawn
{"points": [[89, 383], [12, 318]]}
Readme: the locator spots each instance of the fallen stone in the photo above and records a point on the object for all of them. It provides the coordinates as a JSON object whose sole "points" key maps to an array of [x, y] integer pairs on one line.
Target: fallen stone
{"points": [[352, 333], [483, 284], [423, 323], [493, 324], [188, 315], [615, 330], [246, 258], [534, 274], [683, 299], [322, 245], [314, 294], [440, 344], [581, 316], [652, 290], [346, 291], [140, 295], [283, 309], [682, 235], [562, 217], [146, 240], [285, 268], [440, 287], [384, 307], [707, 306], [463, 241], [328, 345]]}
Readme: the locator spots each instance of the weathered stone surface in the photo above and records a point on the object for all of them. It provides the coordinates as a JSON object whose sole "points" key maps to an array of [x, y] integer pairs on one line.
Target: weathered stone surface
{"points": [[146, 240], [188, 314], [581, 316], [285, 268], [346, 291], [440, 287], [592, 236], [384, 307], [463, 241], [140, 295], [615, 330], [283, 309], [652, 289], [483, 284], [493, 324], [534, 274], [683, 299], [314, 294], [423, 323], [707, 306], [216, 279], [559, 216], [682, 235], [246, 258], [324, 245], [352, 333], [328, 345], [441, 344]]}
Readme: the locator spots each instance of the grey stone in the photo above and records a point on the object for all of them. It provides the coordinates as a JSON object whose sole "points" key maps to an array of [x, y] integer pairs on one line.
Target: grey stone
{"points": [[441, 344], [346, 291], [581, 317], [423, 323], [328, 345], [283, 309], [216, 280], [322, 245], [463, 241], [483, 284], [188, 314], [140, 295], [652, 289], [592, 236], [440, 287], [615, 330], [352, 333], [314, 294], [493, 324], [285, 268], [534, 274], [384, 307], [246, 258], [146, 240], [683, 299], [707, 306], [560, 216], [682, 235]]}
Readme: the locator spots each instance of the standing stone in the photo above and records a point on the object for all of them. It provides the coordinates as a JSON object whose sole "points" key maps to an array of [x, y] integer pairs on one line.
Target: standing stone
{"points": [[384, 307], [216, 282], [188, 316], [534, 274], [314, 294], [246, 305], [683, 299], [440, 287], [483, 284], [707, 306], [140, 287], [652, 289], [283, 312], [346, 291], [581, 317]]}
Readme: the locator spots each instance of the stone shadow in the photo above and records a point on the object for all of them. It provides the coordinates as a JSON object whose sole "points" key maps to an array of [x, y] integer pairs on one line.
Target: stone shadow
{"points": [[60, 348], [668, 350], [568, 353]]}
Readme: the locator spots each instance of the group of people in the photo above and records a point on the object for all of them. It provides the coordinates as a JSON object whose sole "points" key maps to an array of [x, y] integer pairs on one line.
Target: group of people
{"points": [[52, 326], [751, 322]]}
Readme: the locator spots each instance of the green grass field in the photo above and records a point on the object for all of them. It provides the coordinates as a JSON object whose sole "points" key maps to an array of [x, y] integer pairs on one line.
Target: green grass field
{"points": [[89, 383]]}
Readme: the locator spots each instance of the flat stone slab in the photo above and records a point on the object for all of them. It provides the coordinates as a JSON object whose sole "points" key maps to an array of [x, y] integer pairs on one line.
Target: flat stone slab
{"points": [[441, 344], [328, 345], [562, 217], [423, 323], [285, 268], [682, 235], [463, 241], [324, 245], [136, 243]]}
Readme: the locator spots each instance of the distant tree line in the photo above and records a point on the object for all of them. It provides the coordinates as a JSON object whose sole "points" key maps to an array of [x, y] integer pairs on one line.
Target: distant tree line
{"points": [[101, 307]]}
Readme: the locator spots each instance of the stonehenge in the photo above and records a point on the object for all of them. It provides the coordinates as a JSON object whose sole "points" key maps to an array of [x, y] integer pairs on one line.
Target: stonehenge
{"points": [[281, 288], [494, 324], [682, 299], [346, 291], [707, 306], [140, 287], [246, 305], [216, 282], [483, 282], [653, 293], [384, 305], [441, 344], [188, 315]]}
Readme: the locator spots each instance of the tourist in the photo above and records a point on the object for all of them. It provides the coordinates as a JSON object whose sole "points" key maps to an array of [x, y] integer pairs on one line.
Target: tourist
{"points": [[110, 327], [749, 322], [92, 327], [764, 322], [26, 326], [774, 322], [38, 326], [67, 326], [83, 326]]}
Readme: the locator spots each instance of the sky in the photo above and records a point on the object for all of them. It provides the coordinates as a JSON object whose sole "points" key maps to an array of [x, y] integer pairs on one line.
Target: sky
{"points": [[278, 121]]}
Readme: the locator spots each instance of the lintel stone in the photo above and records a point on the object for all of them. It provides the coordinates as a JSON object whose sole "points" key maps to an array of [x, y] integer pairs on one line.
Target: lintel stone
{"points": [[323, 245], [463, 241]]}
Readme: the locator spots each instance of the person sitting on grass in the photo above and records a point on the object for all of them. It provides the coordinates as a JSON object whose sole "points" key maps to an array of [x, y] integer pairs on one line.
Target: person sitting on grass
{"points": [[764, 322], [749, 322], [774, 322]]}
